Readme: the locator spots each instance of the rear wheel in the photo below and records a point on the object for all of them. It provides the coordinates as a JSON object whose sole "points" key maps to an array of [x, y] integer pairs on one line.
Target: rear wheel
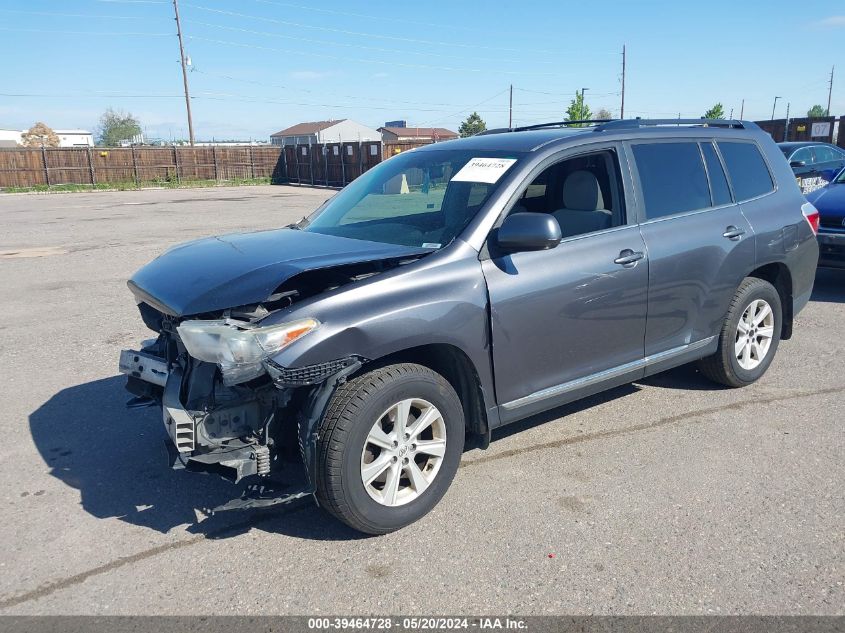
{"points": [[389, 447], [749, 337]]}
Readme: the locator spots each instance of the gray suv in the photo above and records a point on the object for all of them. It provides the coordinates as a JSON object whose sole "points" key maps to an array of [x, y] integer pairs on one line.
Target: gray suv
{"points": [[462, 286]]}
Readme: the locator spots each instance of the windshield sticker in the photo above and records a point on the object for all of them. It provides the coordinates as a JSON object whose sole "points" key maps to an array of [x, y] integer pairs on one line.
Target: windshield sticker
{"points": [[430, 245], [484, 170]]}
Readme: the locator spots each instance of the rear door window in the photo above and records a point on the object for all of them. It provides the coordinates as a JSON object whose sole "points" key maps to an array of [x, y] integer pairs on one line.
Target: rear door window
{"points": [[718, 181], [747, 170], [826, 154], [803, 155], [672, 177]]}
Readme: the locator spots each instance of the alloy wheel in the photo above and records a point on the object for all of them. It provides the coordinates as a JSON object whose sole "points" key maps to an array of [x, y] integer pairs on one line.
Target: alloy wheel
{"points": [[403, 452], [754, 334]]}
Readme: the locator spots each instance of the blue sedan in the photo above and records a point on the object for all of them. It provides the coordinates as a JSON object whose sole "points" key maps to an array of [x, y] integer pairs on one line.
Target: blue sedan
{"points": [[815, 164], [830, 201]]}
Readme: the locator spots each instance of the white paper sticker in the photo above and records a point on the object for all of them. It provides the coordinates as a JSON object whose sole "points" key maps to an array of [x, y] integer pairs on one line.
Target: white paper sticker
{"points": [[484, 170], [430, 245]]}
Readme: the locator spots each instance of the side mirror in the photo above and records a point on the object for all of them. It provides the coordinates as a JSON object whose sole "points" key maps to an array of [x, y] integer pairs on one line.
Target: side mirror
{"points": [[797, 163], [528, 232]]}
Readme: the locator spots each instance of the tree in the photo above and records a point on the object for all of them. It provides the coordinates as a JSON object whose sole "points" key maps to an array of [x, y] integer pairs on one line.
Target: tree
{"points": [[816, 112], [39, 135], [603, 113], [716, 112], [578, 110], [117, 126], [473, 125]]}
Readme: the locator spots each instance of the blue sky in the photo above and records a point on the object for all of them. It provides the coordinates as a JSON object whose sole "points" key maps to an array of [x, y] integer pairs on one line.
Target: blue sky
{"points": [[261, 65]]}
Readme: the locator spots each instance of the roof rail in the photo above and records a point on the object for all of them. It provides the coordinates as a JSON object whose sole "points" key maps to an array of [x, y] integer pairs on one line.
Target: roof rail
{"points": [[601, 125], [637, 123], [579, 122], [541, 126]]}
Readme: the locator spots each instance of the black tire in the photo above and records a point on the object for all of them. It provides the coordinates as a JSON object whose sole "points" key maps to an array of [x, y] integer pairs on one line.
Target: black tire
{"points": [[723, 367], [351, 413]]}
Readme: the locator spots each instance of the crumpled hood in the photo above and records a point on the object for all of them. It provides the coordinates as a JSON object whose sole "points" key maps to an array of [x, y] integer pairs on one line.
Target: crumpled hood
{"points": [[829, 200], [233, 270]]}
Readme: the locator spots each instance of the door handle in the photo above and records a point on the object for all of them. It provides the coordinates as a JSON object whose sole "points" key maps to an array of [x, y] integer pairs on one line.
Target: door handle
{"points": [[733, 233], [628, 258]]}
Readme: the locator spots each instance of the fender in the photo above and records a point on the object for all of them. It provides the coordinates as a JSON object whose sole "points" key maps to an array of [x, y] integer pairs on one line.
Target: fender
{"points": [[441, 299]]}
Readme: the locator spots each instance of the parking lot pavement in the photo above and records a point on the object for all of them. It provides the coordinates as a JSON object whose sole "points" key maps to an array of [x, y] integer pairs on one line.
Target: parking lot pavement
{"points": [[668, 496]]}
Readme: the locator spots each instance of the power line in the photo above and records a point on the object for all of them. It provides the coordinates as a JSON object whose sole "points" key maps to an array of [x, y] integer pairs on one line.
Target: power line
{"points": [[265, 84], [98, 33], [397, 103], [224, 96], [362, 15], [473, 107], [359, 46], [82, 15], [367, 61], [371, 35], [568, 94], [92, 95]]}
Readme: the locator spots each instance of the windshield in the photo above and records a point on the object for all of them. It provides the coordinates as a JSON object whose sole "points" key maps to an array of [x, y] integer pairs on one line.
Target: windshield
{"points": [[840, 179], [421, 199]]}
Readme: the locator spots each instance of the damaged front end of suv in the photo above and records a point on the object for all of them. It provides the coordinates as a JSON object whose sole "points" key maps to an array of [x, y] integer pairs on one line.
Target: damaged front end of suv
{"points": [[229, 407]]}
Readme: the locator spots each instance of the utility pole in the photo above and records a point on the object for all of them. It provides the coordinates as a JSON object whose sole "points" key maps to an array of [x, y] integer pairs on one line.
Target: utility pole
{"points": [[583, 102], [786, 126], [830, 90], [774, 105], [622, 109], [742, 110], [510, 110], [184, 73]]}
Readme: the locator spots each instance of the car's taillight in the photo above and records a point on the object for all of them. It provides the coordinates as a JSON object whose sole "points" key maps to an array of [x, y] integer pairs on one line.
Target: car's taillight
{"points": [[811, 214]]}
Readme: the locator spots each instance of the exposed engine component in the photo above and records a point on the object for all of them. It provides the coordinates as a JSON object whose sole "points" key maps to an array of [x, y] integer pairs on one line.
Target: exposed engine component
{"points": [[262, 460], [179, 423], [223, 424]]}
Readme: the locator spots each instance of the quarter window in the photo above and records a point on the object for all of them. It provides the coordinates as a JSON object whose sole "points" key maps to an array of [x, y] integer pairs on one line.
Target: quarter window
{"points": [[748, 172], [672, 178]]}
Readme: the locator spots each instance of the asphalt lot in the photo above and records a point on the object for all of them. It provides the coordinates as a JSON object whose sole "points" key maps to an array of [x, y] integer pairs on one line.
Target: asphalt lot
{"points": [[671, 496]]}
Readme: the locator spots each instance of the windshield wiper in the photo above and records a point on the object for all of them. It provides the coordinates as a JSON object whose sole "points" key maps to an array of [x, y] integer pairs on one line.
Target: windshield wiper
{"points": [[299, 225]]}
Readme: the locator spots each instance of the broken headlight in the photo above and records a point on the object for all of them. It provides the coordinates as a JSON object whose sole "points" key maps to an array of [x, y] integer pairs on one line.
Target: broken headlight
{"points": [[239, 351]]}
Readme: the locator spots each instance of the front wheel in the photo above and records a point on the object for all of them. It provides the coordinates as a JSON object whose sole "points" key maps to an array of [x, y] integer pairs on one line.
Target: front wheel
{"points": [[749, 337], [389, 447]]}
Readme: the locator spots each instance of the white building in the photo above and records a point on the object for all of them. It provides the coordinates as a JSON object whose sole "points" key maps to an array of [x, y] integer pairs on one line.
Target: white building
{"points": [[339, 131], [67, 138], [10, 138], [75, 138]]}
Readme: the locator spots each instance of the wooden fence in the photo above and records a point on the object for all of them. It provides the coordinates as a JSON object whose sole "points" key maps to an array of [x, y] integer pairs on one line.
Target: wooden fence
{"points": [[329, 164], [801, 129]]}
